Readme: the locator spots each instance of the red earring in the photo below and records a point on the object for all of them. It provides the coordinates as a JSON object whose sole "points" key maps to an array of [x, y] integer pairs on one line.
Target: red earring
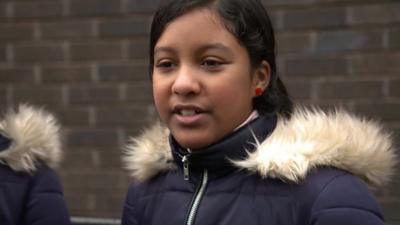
{"points": [[259, 91]]}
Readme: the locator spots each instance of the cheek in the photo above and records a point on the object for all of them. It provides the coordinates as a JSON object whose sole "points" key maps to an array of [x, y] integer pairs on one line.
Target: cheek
{"points": [[234, 96], [225, 97]]}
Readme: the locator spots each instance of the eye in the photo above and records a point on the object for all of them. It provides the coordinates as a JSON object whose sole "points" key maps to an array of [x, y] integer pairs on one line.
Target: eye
{"points": [[165, 64], [211, 63]]}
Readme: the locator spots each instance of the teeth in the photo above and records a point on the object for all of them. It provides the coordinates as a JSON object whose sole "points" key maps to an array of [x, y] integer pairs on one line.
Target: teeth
{"points": [[187, 112]]}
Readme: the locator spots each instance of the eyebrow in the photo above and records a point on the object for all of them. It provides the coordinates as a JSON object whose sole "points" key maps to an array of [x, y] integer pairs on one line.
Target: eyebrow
{"points": [[163, 49], [217, 46]]}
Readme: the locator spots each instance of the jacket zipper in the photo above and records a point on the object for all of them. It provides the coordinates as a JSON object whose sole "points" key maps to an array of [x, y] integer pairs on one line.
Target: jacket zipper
{"points": [[194, 206], [185, 162]]}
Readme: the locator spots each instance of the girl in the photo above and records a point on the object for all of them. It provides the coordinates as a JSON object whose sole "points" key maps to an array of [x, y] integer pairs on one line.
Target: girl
{"points": [[232, 150], [30, 191]]}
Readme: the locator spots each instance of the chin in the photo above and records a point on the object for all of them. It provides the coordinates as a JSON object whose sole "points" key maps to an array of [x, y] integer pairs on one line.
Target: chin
{"points": [[191, 143], [193, 138]]}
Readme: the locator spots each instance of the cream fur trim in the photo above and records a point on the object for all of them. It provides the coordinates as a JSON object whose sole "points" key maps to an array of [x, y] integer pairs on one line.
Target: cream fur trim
{"points": [[149, 154], [310, 139], [35, 139]]}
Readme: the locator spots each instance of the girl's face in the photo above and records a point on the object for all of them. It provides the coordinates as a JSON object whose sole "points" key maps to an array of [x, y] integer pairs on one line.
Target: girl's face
{"points": [[203, 82]]}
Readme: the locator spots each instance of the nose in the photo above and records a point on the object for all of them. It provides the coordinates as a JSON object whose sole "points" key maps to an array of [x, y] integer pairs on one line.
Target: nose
{"points": [[186, 82]]}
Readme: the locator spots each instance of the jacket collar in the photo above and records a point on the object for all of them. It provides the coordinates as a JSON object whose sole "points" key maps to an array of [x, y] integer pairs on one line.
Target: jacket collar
{"points": [[29, 137], [218, 157], [311, 138]]}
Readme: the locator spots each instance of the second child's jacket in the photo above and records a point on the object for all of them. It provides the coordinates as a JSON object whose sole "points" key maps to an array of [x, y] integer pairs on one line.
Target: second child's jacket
{"points": [[30, 149]]}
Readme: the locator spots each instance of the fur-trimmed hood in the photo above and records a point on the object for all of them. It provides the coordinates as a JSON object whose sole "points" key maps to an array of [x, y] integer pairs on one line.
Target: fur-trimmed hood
{"points": [[34, 136], [310, 139]]}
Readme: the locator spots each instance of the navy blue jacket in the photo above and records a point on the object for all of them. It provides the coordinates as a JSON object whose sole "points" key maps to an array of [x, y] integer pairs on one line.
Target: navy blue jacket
{"points": [[30, 190], [295, 176]]}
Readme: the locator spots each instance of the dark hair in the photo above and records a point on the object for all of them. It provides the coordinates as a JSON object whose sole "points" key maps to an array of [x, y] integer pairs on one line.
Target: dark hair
{"points": [[249, 22]]}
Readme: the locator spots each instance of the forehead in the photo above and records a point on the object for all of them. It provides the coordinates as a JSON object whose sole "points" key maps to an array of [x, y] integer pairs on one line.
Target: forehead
{"points": [[199, 26]]}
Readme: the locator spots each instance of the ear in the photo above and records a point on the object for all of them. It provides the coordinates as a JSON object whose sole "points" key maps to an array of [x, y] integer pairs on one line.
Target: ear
{"points": [[262, 75]]}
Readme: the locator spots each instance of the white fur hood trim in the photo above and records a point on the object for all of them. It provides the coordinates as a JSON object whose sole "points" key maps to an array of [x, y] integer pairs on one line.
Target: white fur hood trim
{"points": [[310, 139], [35, 139]]}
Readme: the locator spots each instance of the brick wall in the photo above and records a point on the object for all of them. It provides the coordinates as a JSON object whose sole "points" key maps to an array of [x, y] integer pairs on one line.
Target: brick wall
{"points": [[86, 61]]}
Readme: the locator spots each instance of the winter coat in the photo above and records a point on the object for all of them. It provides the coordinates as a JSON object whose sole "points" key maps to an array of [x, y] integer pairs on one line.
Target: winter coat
{"points": [[30, 191], [315, 168]]}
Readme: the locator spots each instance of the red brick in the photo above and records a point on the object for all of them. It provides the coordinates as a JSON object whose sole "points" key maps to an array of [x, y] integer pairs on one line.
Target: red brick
{"points": [[139, 6], [124, 28], [139, 92], [394, 88], [388, 112], [38, 9], [297, 43], [111, 159], [62, 30], [374, 13], [80, 202], [339, 41], [3, 10], [281, 3], [390, 210], [66, 74], [314, 66], [122, 117], [332, 105], [3, 98], [72, 117], [393, 189], [91, 138], [306, 18], [299, 90], [110, 203], [122, 72], [95, 7], [3, 54], [34, 53], [113, 178], [81, 158], [134, 132], [138, 50], [106, 203], [93, 94], [276, 18], [379, 63], [17, 75], [16, 32], [96, 51], [394, 38], [37, 94], [77, 159], [347, 90]]}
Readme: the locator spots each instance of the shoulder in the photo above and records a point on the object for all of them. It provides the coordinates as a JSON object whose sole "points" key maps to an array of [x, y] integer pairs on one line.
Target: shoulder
{"points": [[46, 179], [162, 182], [151, 186], [333, 194], [43, 179]]}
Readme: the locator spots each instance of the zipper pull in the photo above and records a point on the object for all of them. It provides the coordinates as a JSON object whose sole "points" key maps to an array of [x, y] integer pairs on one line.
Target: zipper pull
{"points": [[185, 162]]}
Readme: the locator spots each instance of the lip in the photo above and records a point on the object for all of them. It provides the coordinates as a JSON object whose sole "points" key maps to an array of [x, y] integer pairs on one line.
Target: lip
{"points": [[188, 120]]}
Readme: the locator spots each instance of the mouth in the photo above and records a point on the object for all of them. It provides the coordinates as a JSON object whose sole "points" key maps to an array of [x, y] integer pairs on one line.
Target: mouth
{"points": [[189, 115], [187, 110]]}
